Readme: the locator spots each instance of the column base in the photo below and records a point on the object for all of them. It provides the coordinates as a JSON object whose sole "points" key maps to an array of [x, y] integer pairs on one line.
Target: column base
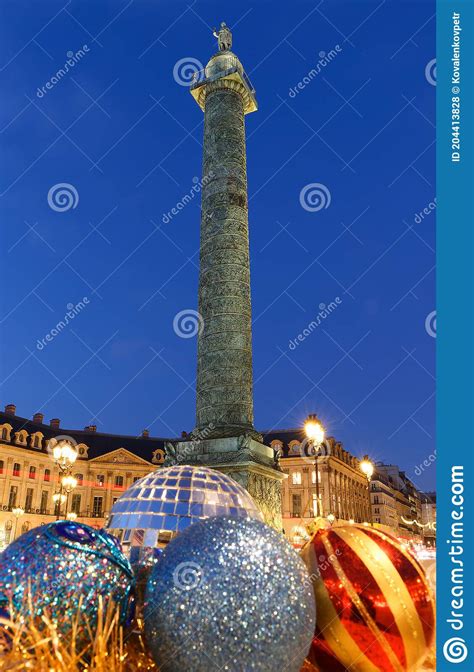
{"points": [[249, 462]]}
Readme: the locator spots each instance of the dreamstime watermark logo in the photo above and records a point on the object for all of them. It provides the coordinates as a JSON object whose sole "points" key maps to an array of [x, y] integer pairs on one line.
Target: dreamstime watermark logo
{"points": [[188, 323], [427, 210], [324, 311], [323, 62], [420, 468], [73, 58], [430, 324], [309, 450], [186, 69], [187, 198], [62, 197], [455, 650], [72, 311], [314, 197], [430, 72], [187, 575]]}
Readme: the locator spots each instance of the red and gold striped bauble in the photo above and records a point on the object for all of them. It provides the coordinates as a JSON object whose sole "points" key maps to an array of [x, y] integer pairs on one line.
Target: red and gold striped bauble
{"points": [[374, 608]]}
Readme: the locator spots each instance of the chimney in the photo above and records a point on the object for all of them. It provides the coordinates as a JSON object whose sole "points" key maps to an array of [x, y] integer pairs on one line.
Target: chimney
{"points": [[10, 409], [54, 423], [184, 435], [90, 428], [38, 417], [146, 433]]}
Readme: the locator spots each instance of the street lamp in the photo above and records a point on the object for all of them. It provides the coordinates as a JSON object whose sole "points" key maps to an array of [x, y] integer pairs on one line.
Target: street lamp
{"points": [[314, 431], [64, 456], [331, 518], [367, 468], [68, 483], [17, 512], [58, 499]]}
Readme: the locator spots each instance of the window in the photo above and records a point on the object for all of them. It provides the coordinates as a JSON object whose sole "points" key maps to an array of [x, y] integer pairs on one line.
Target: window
{"points": [[376, 509], [29, 499], [97, 507], [36, 441], [137, 478], [16, 469], [2, 465], [296, 502], [76, 503], [296, 477], [47, 474], [376, 499], [119, 481], [315, 505], [12, 497], [32, 472], [4, 433], [80, 479], [100, 480], [44, 501]]}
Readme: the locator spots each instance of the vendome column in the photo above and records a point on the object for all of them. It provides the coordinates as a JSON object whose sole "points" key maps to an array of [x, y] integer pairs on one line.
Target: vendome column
{"points": [[225, 437]]}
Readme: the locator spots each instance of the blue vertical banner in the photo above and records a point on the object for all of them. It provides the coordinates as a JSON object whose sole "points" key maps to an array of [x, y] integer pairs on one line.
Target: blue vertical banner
{"points": [[455, 334]]}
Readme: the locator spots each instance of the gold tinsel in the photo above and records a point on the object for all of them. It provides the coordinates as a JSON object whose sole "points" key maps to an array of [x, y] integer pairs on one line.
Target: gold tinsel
{"points": [[39, 647]]}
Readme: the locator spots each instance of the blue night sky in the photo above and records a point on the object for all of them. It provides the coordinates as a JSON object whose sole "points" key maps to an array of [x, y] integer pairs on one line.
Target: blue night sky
{"points": [[127, 136]]}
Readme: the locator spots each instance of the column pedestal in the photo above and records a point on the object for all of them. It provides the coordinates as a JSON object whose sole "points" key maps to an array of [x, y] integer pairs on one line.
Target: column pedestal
{"points": [[249, 462]]}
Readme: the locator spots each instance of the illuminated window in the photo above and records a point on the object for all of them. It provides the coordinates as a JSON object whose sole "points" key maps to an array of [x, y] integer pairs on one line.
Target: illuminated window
{"points": [[32, 472], [296, 501], [47, 474], [100, 480], [16, 469], [76, 504], [29, 499], [97, 507], [296, 477], [119, 481]]}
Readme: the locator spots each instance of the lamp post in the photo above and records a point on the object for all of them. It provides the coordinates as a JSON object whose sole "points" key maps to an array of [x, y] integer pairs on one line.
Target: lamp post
{"points": [[68, 483], [17, 512], [315, 434], [331, 518], [367, 468], [58, 498], [64, 455]]}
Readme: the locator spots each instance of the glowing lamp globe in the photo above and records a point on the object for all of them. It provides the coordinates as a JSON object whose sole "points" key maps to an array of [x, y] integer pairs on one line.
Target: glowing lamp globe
{"points": [[162, 504]]}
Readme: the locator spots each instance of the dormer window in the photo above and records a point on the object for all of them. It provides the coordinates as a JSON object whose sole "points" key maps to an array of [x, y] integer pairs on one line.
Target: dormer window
{"points": [[36, 440], [294, 448], [20, 437]]}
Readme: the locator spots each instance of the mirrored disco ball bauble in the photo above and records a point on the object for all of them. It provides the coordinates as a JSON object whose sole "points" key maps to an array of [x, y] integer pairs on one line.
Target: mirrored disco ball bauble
{"points": [[229, 594], [159, 506], [375, 611], [59, 565]]}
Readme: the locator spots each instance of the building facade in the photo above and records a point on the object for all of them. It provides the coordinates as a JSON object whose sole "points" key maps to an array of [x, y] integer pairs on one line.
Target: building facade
{"points": [[108, 464], [331, 484]]}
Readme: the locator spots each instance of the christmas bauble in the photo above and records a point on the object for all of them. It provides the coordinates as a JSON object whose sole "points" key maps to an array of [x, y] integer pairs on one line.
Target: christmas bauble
{"points": [[375, 611], [159, 506], [61, 565], [229, 594]]}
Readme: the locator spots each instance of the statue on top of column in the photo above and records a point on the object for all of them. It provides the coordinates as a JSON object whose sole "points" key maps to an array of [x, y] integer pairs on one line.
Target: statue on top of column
{"points": [[224, 37]]}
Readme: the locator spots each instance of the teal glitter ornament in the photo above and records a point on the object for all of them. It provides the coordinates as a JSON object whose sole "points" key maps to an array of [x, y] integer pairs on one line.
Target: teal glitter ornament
{"points": [[64, 567], [229, 594]]}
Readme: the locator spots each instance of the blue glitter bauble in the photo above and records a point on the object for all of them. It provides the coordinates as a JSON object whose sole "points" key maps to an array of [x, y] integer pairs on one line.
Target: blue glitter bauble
{"points": [[64, 563], [159, 506], [229, 594]]}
